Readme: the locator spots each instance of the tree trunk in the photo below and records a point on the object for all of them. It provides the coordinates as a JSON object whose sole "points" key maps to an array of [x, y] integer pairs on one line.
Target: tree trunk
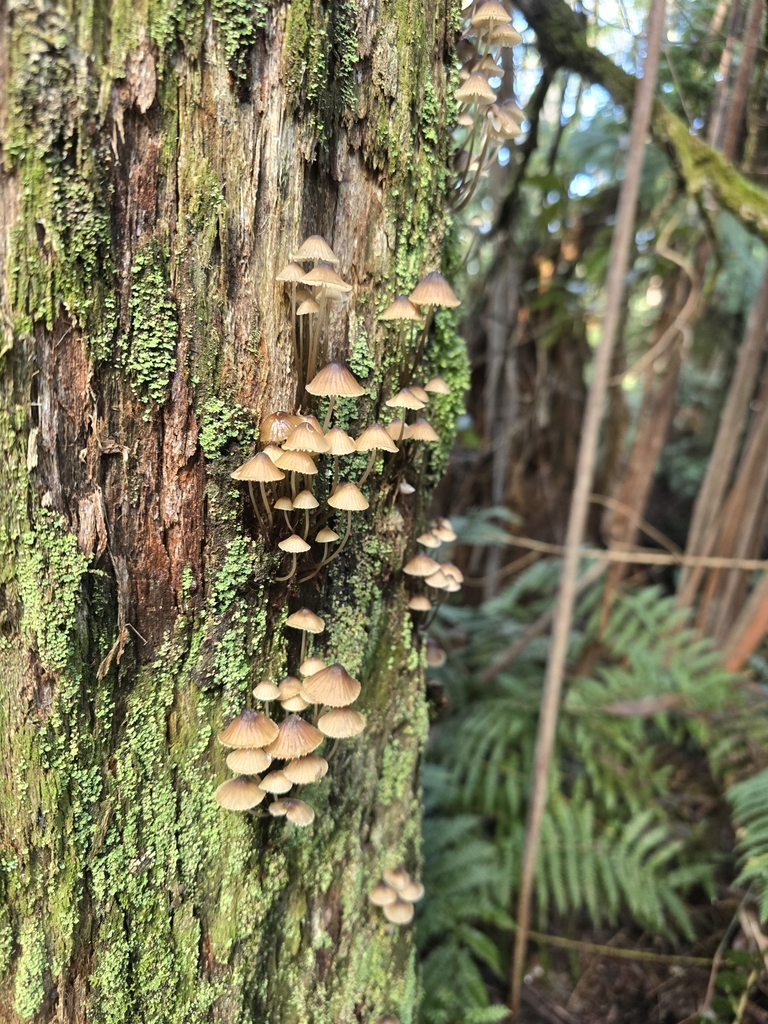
{"points": [[161, 163]]}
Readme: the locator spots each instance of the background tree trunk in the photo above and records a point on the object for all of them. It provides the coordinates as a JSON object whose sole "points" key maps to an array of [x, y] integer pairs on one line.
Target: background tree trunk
{"points": [[161, 162]]}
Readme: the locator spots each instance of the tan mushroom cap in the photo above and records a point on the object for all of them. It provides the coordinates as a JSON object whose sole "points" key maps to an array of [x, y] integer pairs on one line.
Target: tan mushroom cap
{"points": [[405, 488], [260, 467], [308, 306], [398, 430], [489, 66], [273, 452], [376, 437], [399, 912], [303, 771], [315, 248], [500, 126], [304, 438], [401, 309], [452, 587], [289, 687], [465, 120], [296, 737], [436, 656], [429, 540], [423, 431], [326, 535], [298, 812], [341, 723], [382, 894], [294, 544], [335, 380], [437, 386], [325, 276], [306, 620], [444, 533], [249, 729], [420, 603], [434, 290], [398, 878], [490, 13], [505, 35], [333, 686], [248, 761], [297, 703], [266, 690], [404, 399], [291, 273], [276, 782], [311, 665], [275, 427], [349, 498], [284, 505], [437, 580], [412, 892], [297, 462], [276, 808], [240, 793], [475, 90], [452, 571], [421, 565], [339, 442], [420, 392], [305, 500]]}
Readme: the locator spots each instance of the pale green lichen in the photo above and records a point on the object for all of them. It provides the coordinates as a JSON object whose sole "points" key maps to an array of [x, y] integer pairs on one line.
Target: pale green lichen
{"points": [[29, 990], [150, 352]]}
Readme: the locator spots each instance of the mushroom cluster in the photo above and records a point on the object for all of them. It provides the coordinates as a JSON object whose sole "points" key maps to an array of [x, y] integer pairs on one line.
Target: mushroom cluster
{"points": [[396, 894], [485, 125]]}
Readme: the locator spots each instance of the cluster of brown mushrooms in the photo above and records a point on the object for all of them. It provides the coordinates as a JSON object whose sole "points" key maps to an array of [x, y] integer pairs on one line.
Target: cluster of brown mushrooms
{"points": [[303, 483], [396, 894], [486, 125]]}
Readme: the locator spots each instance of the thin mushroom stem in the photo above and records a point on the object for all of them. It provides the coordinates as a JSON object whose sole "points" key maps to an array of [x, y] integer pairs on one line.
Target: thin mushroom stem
{"points": [[303, 646], [293, 484], [253, 502], [333, 750], [344, 540], [422, 341], [335, 472], [325, 314], [306, 523], [282, 579], [368, 468], [331, 406], [288, 521], [296, 352], [266, 504]]}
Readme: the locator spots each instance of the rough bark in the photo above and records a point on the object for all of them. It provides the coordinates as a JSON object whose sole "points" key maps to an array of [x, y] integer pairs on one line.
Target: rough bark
{"points": [[161, 161]]}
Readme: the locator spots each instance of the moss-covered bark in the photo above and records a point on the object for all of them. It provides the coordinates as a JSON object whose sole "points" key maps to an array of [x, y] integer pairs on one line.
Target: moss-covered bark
{"points": [[161, 160]]}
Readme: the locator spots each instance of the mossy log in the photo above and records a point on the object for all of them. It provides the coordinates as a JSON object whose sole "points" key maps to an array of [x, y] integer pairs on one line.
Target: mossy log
{"points": [[161, 160]]}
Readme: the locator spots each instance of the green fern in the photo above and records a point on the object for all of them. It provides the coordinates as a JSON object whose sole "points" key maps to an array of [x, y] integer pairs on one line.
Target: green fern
{"points": [[749, 800]]}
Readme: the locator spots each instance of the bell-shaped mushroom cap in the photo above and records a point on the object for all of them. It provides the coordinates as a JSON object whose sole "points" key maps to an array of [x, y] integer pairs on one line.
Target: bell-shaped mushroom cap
{"points": [[490, 13], [475, 90], [293, 544], [423, 431], [311, 665], [420, 603], [405, 488], [260, 468], [421, 565], [505, 35], [315, 248], [489, 66], [339, 442], [434, 290], [313, 422], [276, 809], [401, 309], [399, 912], [308, 306], [376, 437], [298, 812], [438, 580], [382, 894], [333, 686], [266, 690], [452, 571], [436, 656], [398, 430], [306, 620], [465, 120], [305, 770], [276, 782], [296, 703], [445, 534], [289, 687], [341, 723], [296, 737], [248, 761], [349, 498], [276, 427], [413, 892], [305, 499], [240, 793], [326, 277], [429, 540], [437, 386], [398, 878], [404, 399], [452, 587], [335, 380], [249, 729], [326, 535], [284, 505], [500, 125], [305, 438], [273, 452], [420, 392], [297, 462], [291, 272]]}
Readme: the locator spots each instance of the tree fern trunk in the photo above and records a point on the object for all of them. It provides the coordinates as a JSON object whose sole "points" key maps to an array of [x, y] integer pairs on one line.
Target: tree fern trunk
{"points": [[161, 161]]}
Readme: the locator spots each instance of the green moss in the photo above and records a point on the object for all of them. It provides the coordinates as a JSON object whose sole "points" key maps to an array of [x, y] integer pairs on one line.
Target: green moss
{"points": [[150, 354], [28, 989], [297, 45], [223, 421], [239, 21]]}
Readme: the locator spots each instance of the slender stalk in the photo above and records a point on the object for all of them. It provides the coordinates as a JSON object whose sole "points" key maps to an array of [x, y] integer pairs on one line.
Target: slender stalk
{"points": [[293, 485], [287, 519], [422, 342], [253, 502], [306, 523], [331, 406], [550, 701], [368, 468], [340, 548], [335, 472], [303, 646], [266, 504], [282, 579]]}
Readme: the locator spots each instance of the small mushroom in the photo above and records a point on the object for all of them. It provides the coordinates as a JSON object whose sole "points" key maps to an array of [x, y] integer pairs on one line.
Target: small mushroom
{"points": [[248, 761], [303, 771], [305, 438], [325, 537], [398, 430], [437, 386], [311, 665], [505, 35], [298, 812], [276, 782], [402, 310], [429, 540], [334, 381], [250, 729], [294, 546], [333, 686], [433, 290], [382, 894], [290, 686], [436, 656], [240, 794], [296, 703], [295, 738], [398, 878], [315, 248], [420, 603], [404, 399], [285, 505], [405, 488], [399, 912], [305, 500], [374, 439], [307, 622], [412, 892], [266, 691], [276, 427], [421, 565], [349, 498], [421, 393], [423, 431], [296, 462], [261, 469], [273, 452], [341, 723], [475, 91]]}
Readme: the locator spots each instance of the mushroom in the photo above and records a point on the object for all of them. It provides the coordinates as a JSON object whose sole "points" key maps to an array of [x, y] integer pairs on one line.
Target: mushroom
{"points": [[303, 771], [421, 565], [248, 761], [276, 782], [295, 738], [399, 912], [405, 488], [290, 686], [429, 540], [296, 811], [307, 622], [444, 530], [491, 12], [273, 452], [291, 274], [266, 691], [402, 310], [420, 603], [505, 35], [423, 431], [398, 878], [332, 686], [315, 248], [437, 386], [349, 498], [404, 399], [436, 656], [434, 290], [412, 892], [437, 580], [398, 430], [240, 794], [382, 894], [324, 277], [285, 505], [294, 545], [341, 723], [325, 537], [250, 729], [334, 381], [305, 438], [262, 469], [374, 439], [339, 443], [421, 393], [475, 91], [296, 462], [305, 500], [276, 427], [452, 571], [311, 665]]}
